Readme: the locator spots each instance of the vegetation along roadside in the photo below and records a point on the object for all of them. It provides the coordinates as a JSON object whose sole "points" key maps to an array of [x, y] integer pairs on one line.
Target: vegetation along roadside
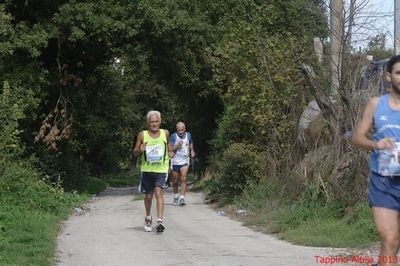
{"points": [[77, 78]]}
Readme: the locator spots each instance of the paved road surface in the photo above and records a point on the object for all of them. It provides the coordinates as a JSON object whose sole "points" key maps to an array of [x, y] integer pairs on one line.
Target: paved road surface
{"points": [[110, 233]]}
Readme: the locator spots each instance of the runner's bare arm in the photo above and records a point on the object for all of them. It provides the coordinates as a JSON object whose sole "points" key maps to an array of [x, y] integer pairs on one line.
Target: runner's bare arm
{"points": [[139, 147], [361, 137], [192, 152], [167, 135], [170, 150]]}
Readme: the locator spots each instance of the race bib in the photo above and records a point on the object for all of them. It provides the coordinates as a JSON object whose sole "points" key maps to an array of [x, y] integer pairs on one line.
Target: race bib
{"points": [[183, 151], [154, 154], [389, 161]]}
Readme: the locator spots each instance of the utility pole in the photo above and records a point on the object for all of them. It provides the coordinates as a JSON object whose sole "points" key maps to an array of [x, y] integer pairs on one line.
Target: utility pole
{"points": [[397, 26], [336, 36], [350, 26]]}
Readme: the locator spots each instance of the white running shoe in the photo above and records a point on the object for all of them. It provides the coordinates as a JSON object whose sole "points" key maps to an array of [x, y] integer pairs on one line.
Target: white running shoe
{"points": [[147, 224], [176, 201], [160, 227], [182, 202]]}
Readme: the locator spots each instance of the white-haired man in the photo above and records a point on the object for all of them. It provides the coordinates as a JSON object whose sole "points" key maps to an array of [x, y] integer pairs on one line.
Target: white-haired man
{"points": [[152, 145], [181, 144]]}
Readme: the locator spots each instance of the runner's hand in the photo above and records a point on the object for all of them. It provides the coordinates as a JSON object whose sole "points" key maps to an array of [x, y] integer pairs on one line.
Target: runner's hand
{"points": [[143, 147], [385, 144], [178, 145]]}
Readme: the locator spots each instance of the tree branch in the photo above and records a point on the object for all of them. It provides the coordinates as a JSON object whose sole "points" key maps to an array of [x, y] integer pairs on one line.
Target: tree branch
{"points": [[328, 109]]}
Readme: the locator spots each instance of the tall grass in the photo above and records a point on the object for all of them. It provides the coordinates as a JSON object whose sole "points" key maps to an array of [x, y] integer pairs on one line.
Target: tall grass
{"points": [[315, 222], [30, 214], [27, 237], [31, 207]]}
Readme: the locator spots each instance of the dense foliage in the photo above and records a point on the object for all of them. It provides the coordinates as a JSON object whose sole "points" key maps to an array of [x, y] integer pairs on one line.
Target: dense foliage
{"points": [[257, 62], [85, 73], [90, 71], [77, 78]]}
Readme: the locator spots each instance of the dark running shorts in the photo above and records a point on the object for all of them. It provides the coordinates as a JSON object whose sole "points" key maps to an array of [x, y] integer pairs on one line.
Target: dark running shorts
{"points": [[384, 191], [177, 168], [152, 180]]}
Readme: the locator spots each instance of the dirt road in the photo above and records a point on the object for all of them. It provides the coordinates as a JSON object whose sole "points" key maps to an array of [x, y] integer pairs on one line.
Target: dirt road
{"points": [[110, 233]]}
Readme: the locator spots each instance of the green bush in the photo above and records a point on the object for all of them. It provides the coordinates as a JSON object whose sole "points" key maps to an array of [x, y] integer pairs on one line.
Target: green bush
{"points": [[240, 165], [22, 186], [72, 170], [213, 188], [13, 103], [122, 179], [93, 185], [259, 196]]}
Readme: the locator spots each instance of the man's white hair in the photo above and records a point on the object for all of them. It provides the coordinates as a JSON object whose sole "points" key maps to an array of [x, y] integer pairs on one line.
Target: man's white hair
{"points": [[153, 113], [180, 124]]}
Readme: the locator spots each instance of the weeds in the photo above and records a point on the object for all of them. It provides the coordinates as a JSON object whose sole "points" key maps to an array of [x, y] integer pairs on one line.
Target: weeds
{"points": [[122, 179], [310, 220], [30, 215]]}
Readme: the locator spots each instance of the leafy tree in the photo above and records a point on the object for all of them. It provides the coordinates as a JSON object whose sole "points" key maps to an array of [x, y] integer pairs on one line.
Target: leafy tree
{"points": [[93, 70], [377, 47], [97, 68], [257, 62]]}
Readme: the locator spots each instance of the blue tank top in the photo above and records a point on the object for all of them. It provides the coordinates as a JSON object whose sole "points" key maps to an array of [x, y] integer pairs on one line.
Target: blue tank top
{"points": [[386, 125], [182, 155]]}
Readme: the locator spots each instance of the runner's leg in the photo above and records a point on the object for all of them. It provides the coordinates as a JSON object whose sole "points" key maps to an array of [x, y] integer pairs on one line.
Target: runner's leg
{"points": [[160, 202], [148, 198], [183, 173], [175, 181], [388, 226]]}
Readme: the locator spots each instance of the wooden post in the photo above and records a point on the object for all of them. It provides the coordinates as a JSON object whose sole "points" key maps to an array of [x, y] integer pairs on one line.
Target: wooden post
{"points": [[336, 36]]}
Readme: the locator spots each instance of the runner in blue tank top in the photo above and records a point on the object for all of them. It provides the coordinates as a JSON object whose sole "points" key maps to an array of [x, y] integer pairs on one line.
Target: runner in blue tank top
{"points": [[181, 144], [382, 115]]}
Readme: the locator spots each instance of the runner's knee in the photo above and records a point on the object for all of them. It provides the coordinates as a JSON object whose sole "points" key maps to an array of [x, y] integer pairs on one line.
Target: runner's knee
{"points": [[390, 237]]}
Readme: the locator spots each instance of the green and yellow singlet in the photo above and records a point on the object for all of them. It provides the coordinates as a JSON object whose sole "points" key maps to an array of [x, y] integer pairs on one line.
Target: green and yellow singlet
{"points": [[155, 158]]}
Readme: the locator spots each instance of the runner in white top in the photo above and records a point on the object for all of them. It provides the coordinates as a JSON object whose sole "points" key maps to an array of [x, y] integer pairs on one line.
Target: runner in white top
{"points": [[182, 145]]}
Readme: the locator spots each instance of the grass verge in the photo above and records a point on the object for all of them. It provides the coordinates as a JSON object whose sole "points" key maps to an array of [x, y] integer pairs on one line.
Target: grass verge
{"points": [[29, 237], [311, 222], [31, 211]]}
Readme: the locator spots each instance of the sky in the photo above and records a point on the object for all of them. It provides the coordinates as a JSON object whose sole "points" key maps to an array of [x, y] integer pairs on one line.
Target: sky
{"points": [[385, 16], [373, 17]]}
